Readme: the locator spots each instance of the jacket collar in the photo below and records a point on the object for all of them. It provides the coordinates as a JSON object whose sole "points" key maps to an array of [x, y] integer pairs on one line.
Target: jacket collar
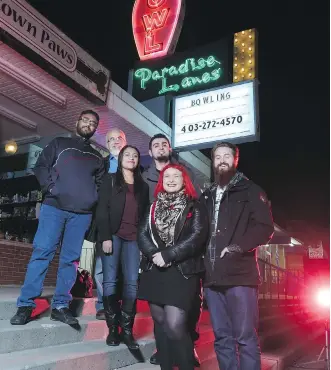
{"points": [[152, 173]]}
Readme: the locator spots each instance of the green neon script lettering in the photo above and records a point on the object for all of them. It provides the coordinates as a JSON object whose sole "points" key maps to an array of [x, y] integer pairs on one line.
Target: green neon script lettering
{"points": [[146, 75]]}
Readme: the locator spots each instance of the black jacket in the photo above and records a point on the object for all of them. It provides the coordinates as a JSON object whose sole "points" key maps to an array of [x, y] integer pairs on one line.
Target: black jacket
{"points": [[191, 234], [69, 171], [111, 207], [244, 221]]}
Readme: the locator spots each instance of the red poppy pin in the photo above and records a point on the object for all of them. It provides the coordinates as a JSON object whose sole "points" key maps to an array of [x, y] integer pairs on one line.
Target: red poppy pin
{"points": [[189, 215]]}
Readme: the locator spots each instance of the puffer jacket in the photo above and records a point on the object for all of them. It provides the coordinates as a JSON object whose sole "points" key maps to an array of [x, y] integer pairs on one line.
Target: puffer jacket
{"points": [[191, 235]]}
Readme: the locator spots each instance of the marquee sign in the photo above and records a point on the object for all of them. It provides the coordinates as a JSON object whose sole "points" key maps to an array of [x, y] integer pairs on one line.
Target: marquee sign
{"points": [[156, 26], [182, 73], [27, 30], [223, 114]]}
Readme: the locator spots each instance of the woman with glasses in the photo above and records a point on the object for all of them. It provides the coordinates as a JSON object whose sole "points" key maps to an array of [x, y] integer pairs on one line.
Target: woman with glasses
{"points": [[172, 238], [123, 198]]}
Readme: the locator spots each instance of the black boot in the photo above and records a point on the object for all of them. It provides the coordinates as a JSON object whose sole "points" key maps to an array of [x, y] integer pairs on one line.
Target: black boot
{"points": [[112, 313], [126, 321]]}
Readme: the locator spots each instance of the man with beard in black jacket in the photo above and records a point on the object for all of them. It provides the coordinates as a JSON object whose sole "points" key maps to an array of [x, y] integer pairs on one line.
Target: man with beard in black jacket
{"points": [[69, 172], [241, 220], [160, 151]]}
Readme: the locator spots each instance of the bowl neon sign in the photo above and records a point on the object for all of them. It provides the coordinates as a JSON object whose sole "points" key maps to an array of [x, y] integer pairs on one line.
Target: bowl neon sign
{"points": [[156, 26]]}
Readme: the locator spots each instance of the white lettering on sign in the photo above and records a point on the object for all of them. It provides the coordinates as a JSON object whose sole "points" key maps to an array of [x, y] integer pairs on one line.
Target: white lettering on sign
{"points": [[226, 113]]}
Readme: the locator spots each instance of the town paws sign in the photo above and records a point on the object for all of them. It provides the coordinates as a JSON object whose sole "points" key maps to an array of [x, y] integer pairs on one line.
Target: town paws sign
{"points": [[156, 26], [25, 24]]}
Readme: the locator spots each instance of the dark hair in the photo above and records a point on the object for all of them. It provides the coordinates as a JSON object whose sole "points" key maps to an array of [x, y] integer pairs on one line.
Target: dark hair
{"points": [[158, 136], [119, 178], [225, 144], [90, 111]]}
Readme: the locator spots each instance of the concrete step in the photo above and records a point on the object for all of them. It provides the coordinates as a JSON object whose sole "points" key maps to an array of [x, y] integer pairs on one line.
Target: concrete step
{"points": [[45, 332], [207, 358], [79, 306], [91, 355]]}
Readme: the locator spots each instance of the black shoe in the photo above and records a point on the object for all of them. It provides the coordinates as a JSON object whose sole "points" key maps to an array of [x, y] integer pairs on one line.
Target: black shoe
{"points": [[154, 360], [64, 315], [22, 316], [100, 315]]}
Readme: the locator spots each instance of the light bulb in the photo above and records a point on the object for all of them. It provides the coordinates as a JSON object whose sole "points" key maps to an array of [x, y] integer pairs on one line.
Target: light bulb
{"points": [[243, 50], [250, 36], [11, 147], [243, 32], [242, 44], [235, 77], [250, 62], [250, 75], [235, 40], [249, 48], [242, 69], [236, 65]]}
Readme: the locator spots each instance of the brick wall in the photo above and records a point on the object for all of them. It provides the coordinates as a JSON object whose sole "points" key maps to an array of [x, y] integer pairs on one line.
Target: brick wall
{"points": [[14, 257]]}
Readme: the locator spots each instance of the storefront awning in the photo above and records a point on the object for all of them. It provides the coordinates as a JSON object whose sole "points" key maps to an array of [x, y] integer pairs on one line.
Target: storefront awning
{"points": [[282, 237]]}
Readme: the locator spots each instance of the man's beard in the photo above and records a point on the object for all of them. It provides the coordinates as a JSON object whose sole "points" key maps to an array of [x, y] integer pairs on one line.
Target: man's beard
{"points": [[163, 158], [84, 134], [223, 176]]}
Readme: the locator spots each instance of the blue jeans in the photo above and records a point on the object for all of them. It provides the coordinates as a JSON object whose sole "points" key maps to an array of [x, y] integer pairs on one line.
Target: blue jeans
{"points": [[98, 277], [127, 254], [54, 225], [234, 317]]}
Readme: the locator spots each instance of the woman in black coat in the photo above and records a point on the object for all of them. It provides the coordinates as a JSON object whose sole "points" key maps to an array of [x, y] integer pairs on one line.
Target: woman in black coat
{"points": [[123, 198], [172, 238]]}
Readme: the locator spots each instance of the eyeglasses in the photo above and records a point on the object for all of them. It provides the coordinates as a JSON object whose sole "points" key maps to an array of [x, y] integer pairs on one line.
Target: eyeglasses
{"points": [[89, 121]]}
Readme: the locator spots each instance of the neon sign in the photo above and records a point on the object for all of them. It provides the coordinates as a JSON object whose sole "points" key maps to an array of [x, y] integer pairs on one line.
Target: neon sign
{"points": [[156, 26], [202, 66]]}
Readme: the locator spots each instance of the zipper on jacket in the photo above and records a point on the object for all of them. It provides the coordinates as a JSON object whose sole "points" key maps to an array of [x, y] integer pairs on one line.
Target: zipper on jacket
{"points": [[181, 271]]}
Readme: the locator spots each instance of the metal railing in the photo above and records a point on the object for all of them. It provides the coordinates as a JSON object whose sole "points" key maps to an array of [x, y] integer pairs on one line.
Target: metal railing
{"points": [[279, 283]]}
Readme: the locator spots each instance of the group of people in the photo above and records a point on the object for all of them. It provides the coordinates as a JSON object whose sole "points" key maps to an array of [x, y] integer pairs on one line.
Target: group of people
{"points": [[159, 221]]}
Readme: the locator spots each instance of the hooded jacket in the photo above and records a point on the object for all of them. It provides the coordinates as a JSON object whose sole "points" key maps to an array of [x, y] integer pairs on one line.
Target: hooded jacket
{"points": [[244, 222]]}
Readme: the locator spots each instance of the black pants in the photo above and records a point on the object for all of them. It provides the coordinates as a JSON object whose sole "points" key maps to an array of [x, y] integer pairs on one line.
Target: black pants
{"points": [[194, 313], [173, 341]]}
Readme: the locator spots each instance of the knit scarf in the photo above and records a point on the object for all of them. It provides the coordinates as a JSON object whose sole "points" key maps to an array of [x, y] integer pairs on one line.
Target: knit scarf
{"points": [[169, 206]]}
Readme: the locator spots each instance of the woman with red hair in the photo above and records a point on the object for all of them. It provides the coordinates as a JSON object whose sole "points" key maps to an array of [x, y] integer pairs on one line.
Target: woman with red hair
{"points": [[172, 238]]}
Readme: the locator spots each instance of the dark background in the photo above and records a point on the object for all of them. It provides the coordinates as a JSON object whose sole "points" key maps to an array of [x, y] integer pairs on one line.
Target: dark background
{"points": [[291, 162]]}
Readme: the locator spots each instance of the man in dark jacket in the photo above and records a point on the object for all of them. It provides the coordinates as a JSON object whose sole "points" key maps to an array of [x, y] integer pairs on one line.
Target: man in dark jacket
{"points": [[160, 151], [69, 171], [115, 141], [241, 220]]}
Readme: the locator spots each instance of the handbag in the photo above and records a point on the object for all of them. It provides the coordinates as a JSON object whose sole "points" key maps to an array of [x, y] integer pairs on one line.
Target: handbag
{"points": [[83, 287]]}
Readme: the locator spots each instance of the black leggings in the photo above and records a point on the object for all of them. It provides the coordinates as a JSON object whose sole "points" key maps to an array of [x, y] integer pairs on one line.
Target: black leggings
{"points": [[173, 341]]}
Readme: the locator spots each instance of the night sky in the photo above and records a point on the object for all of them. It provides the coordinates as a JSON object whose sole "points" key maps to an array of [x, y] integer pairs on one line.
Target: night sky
{"points": [[291, 161]]}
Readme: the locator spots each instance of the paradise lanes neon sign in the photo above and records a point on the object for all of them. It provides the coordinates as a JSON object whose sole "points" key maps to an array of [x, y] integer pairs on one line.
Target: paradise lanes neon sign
{"points": [[156, 26], [182, 74]]}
